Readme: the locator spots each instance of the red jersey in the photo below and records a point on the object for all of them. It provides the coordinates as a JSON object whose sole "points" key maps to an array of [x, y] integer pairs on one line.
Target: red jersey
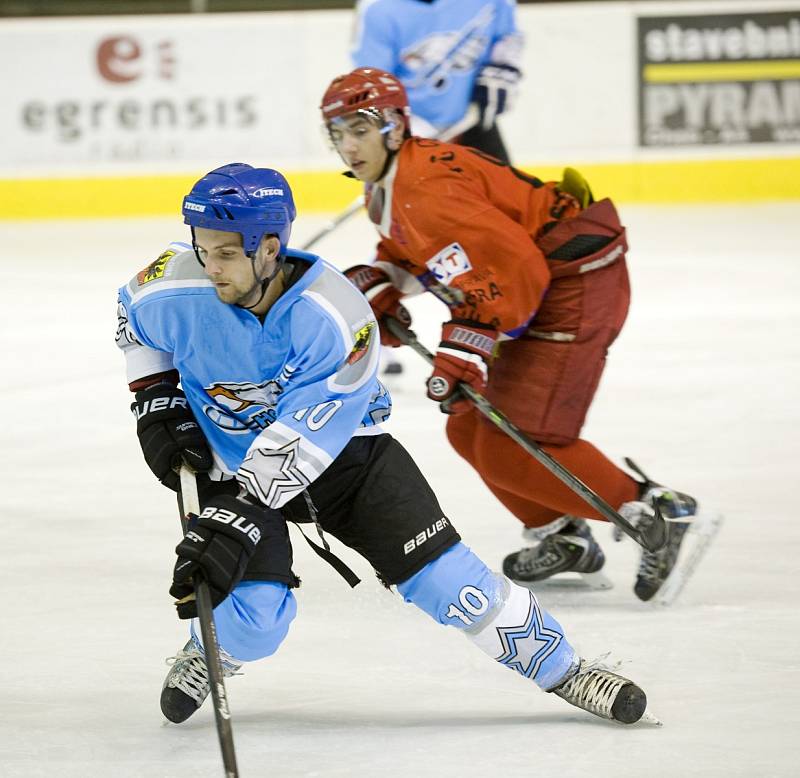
{"points": [[465, 224]]}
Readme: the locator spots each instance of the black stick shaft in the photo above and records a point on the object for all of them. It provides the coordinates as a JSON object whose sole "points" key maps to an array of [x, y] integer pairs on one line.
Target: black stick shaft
{"points": [[651, 542], [190, 503]]}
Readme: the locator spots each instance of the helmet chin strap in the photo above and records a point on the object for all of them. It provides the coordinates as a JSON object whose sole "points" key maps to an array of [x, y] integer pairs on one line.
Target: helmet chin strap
{"points": [[265, 282]]}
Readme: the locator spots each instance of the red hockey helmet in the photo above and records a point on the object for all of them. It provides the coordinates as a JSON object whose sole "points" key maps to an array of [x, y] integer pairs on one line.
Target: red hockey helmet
{"points": [[365, 89]]}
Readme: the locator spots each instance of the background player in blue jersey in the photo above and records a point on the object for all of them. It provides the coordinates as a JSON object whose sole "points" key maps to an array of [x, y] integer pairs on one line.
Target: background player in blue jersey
{"points": [[448, 54], [276, 354]]}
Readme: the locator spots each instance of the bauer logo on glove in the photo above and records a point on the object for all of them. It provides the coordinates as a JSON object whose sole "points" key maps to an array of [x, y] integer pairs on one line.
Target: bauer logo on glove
{"points": [[218, 545], [169, 433], [158, 404], [234, 519]]}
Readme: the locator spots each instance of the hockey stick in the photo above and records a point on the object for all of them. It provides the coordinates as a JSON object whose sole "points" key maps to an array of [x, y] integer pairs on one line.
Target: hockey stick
{"points": [[351, 210], [469, 119], [190, 504], [652, 538]]}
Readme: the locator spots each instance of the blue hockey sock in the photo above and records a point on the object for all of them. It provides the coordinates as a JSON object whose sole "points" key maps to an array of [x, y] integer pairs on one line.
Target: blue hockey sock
{"points": [[503, 619]]}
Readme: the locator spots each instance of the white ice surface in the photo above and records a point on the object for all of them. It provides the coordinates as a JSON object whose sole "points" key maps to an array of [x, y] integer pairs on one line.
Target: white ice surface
{"points": [[701, 389]]}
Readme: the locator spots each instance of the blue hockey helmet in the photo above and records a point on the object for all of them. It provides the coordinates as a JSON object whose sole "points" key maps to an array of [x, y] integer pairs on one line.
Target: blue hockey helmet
{"points": [[240, 198]]}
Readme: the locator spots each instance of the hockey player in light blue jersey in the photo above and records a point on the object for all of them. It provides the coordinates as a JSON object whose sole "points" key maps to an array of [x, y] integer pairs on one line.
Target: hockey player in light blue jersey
{"points": [[448, 54], [279, 410]]}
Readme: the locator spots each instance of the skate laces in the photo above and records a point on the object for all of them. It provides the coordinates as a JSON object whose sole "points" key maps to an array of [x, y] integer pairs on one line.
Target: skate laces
{"points": [[190, 674], [640, 514], [649, 566], [654, 565], [594, 687], [545, 552], [602, 662], [526, 555], [546, 537]]}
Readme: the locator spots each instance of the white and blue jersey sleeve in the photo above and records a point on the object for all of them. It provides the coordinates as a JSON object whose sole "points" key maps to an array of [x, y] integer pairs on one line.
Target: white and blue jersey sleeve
{"points": [[277, 400], [142, 360], [436, 49]]}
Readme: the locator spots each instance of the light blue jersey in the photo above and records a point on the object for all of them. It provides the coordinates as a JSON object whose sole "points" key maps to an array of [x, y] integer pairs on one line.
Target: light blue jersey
{"points": [[436, 49], [276, 400]]}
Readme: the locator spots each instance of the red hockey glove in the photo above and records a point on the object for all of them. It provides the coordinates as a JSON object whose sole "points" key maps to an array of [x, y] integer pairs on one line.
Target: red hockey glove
{"points": [[462, 356], [384, 298]]}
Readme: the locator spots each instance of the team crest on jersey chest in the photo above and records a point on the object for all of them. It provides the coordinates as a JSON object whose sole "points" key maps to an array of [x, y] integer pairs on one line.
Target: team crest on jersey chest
{"points": [[239, 406]]}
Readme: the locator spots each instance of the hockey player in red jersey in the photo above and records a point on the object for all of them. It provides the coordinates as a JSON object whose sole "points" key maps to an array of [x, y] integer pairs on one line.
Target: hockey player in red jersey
{"points": [[535, 277]]}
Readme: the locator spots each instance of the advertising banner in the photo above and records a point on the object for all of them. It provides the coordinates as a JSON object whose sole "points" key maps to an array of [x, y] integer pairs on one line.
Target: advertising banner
{"points": [[154, 91], [723, 79]]}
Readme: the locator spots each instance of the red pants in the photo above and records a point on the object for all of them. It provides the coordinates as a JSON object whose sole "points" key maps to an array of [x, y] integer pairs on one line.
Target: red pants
{"points": [[525, 487], [544, 383]]}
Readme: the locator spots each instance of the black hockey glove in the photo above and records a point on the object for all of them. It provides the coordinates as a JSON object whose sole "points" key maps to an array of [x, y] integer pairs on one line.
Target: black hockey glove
{"points": [[168, 432], [218, 545]]}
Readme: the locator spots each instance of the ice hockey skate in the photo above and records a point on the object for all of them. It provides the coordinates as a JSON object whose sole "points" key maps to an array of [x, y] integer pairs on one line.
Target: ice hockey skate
{"points": [[663, 574], [186, 685], [593, 687], [564, 546]]}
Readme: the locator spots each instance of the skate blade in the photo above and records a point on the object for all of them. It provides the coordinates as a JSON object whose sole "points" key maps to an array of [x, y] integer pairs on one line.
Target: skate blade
{"points": [[699, 537], [598, 581], [649, 718]]}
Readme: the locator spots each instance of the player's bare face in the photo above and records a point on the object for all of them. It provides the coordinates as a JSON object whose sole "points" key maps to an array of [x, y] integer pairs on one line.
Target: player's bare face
{"points": [[361, 145], [227, 266]]}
